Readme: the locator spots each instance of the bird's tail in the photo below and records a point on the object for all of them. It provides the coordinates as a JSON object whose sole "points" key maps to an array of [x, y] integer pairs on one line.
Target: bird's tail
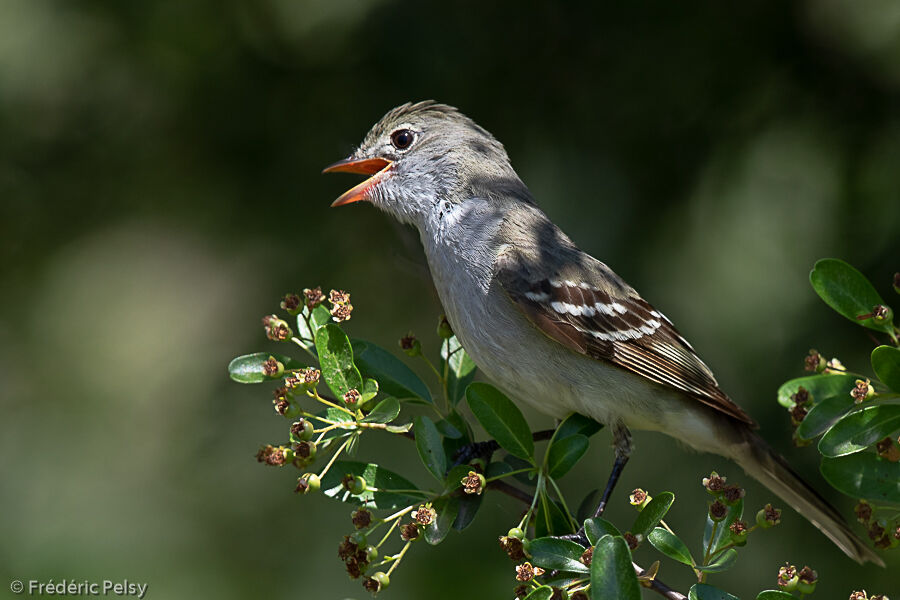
{"points": [[765, 465]]}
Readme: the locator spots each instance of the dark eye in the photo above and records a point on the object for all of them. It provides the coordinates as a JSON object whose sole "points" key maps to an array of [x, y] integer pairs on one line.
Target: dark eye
{"points": [[402, 139]]}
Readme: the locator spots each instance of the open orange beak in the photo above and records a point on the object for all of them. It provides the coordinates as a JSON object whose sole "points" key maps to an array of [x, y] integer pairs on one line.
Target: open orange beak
{"points": [[376, 167]]}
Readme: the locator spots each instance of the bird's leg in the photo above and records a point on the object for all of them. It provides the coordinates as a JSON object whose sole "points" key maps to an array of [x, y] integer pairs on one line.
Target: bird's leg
{"points": [[622, 444], [622, 441]]}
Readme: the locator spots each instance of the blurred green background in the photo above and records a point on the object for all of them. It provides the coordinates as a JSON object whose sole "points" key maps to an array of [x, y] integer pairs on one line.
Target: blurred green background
{"points": [[160, 189]]}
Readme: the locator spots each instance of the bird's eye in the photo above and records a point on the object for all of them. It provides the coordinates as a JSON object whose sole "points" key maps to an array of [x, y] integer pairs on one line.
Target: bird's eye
{"points": [[402, 139]]}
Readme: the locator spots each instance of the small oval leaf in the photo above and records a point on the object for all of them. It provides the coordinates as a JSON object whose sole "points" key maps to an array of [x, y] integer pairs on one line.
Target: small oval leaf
{"points": [[446, 508], [384, 412], [819, 387], [859, 430], [612, 574], [847, 291], [460, 370], [554, 553], [336, 360], [670, 545], [597, 527], [652, 514], [864, 475], [886, 364], [501, 419], [724, 562], [249, 367], [823, 415], [428, 443], [545, 592], [565, 453]]}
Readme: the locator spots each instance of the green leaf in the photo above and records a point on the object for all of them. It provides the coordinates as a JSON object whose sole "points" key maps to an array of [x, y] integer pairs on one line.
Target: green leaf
{"points": [[859, 430], [702, 591], [652, 514], [320, 316], [597, 527], [369, 390], [723, 532], [670, 545], [468, 508], [564, 453], [249, 367], [461, 369], [501, 419], [886, 364], [446, 508], [823, 415], [448, 430], [612, 574], [864, 475], [384, 412], [724, 562], [336, 360], [545, 592], [398, 428], [774, 595], [820, 387], [847, 291], [576, 423], [428, 443], [554, 553], [375, 476], [394, 377]]}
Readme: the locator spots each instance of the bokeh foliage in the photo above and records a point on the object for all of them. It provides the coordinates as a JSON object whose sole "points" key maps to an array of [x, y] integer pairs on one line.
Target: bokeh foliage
{"points": [[159, 184]]}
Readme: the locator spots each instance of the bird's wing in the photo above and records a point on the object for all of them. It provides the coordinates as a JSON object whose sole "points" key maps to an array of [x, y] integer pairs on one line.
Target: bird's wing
{"points": [[581, 303]]}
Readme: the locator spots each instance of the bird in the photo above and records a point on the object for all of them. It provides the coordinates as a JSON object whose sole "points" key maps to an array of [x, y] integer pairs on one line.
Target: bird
{"points": [[550, 325]]}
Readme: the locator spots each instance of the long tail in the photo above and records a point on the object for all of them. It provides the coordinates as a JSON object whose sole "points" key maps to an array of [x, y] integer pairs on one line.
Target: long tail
{"points": [[769, 468]]}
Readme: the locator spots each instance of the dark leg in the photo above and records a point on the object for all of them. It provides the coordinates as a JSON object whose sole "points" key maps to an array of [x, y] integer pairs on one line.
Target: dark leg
{"points": [[622, 442], [486, 449]]}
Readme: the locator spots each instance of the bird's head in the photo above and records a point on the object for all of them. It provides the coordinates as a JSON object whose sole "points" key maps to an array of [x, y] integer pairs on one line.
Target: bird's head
{"points": [[419, 157]]}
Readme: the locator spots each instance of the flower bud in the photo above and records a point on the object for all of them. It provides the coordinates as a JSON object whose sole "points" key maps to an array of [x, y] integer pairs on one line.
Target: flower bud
{"points": [[305, 450], [807, 580], [862, 390], [410, 345], [517, 533], [308, 483], [787, 578], [768, 517], [739, 533], [444, 330], [357, 486], [273, 368], [815, 362], [371, 553], [302, 430], [291, 303], [361, 518], [717, 510], [473, 483], [377, 582], [639, 498], [714, 484]]}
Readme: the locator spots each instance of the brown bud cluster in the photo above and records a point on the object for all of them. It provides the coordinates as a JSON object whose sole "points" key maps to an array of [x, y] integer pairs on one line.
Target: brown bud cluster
{"points": [[276, 329], [772, 514], [513, 547], [814, 362], [473, 483], [354, 557], [410, 531], [271, 367], [863, 511], [587, 556], [637, 497], [527, 572], [717, 510], [862, 390], [424, 515], [271, 455], [631, 540], [714, 483], [733, 493], [314, 297], [807, 575], [739, 527], [351, 397], [341, 312], [361, 518], [786, 575], [309, 376], [290, 303]]}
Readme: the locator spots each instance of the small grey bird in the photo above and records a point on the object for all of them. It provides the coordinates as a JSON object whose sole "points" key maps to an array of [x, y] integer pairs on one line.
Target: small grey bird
{"points": [[549, 324]]}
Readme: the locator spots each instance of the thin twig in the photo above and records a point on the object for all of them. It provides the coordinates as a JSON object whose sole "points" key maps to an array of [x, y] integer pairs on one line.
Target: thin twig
{"points": [[659, 587]]}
